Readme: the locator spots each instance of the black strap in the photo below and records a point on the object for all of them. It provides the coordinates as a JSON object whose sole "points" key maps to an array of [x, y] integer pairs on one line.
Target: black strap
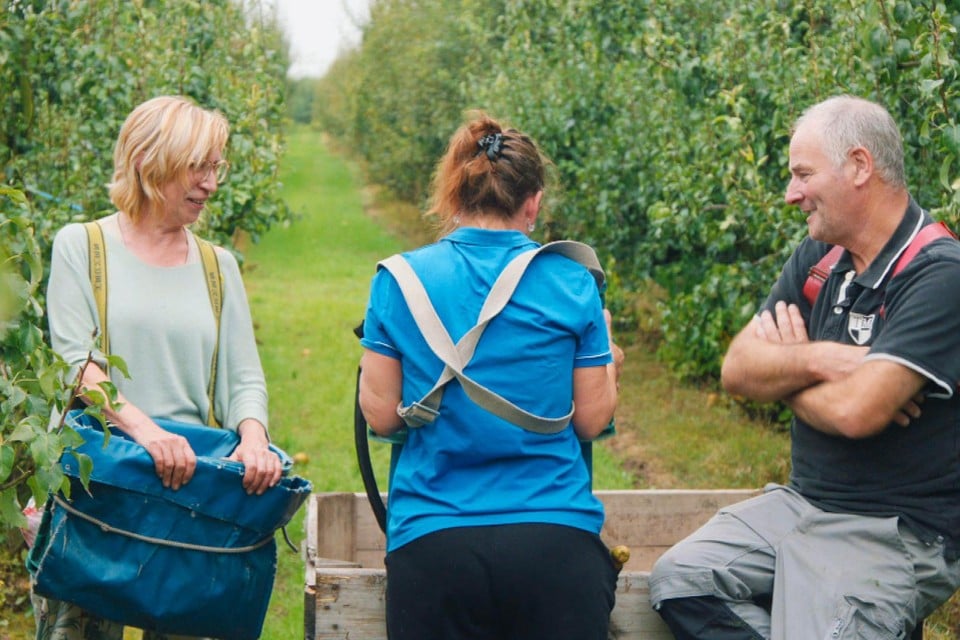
{"points": [[363, 453]]}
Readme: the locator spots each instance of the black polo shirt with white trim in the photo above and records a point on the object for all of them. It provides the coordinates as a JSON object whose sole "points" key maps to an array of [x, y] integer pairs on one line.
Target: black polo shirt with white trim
{"points": [[914, 320]]}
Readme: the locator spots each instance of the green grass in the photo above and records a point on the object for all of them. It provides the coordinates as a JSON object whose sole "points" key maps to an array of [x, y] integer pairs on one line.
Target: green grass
{"points": [[308, 285], [675, 436]]}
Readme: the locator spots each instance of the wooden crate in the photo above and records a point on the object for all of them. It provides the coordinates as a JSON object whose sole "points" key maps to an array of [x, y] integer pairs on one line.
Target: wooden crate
{"points": [[345, 581]]}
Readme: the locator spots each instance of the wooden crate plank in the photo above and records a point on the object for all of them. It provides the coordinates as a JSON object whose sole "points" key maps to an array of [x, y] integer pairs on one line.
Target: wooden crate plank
{"points": [[642, 558], [632, 617], [369, 536], [647, 521], [371, 558], [349, 604], [312, 528], [343, 600], [333, 563], [651, 521], [661, 517], [310, 608], [336, 526]]}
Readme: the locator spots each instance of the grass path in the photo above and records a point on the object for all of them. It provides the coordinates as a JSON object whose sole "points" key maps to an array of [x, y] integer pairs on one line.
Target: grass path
{"points": [[307, 285]]}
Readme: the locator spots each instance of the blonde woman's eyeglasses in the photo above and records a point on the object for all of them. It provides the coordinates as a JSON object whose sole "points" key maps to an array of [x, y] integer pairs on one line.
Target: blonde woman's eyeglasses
{"points": [[220, 169]]}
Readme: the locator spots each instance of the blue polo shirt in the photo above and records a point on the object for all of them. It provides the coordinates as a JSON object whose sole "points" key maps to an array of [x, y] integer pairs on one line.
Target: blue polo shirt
{"points": [[912, 319], [469, 467]]}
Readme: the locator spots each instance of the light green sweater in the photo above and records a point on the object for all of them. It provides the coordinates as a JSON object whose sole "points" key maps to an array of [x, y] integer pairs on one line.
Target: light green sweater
{"points": [[162, 325]]}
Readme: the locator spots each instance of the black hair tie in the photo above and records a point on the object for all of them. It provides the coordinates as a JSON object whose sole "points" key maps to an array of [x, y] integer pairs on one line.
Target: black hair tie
{"points": [[492, 144]]}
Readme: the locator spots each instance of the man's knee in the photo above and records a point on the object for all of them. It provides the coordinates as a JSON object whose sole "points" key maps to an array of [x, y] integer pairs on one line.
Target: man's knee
{"points": [[682, 572], [704, 617], [675, 561], [663, 566], [676, 575]]}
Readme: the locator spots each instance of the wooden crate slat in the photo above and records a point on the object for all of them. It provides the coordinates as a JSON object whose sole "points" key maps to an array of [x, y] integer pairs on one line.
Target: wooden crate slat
{"points": [[349, 603], [632, 618], [650, 522], [345, 585], [336, 516], [639, 519]]}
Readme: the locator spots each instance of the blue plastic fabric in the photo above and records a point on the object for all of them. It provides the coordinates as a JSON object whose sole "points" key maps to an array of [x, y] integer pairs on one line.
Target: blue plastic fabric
{"points": [[220, 591]]}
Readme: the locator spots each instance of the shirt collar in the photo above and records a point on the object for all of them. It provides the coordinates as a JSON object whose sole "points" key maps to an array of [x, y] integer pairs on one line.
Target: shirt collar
{"points": [[488, 237], [914, 219]]}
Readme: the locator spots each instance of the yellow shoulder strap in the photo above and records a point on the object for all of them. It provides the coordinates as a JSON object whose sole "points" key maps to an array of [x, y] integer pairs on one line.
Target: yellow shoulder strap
{"points": [[98, 278], [98, 281], [211, 271]]}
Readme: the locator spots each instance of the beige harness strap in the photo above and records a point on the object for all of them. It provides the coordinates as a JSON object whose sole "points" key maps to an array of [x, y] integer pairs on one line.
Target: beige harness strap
{"points": [[456, 356]]}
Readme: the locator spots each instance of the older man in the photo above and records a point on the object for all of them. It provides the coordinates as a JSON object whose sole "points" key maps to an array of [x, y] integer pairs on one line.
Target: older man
{"points": [[864, 540]]}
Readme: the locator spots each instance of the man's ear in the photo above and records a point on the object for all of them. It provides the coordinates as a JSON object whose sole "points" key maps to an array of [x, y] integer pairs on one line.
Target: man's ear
{"points": [[862, 163]]}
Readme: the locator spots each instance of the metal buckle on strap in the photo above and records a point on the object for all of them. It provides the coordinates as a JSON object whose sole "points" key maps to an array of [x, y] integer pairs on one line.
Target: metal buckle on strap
{"points": [[417, 415]]}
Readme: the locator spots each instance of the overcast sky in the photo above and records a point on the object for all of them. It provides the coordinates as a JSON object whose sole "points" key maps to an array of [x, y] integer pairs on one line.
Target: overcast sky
{"points": [[318, 29]]}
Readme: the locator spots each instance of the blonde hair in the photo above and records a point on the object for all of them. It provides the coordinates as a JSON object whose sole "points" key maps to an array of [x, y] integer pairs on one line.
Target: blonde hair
{"points": [[158, 142], [474, 178]]}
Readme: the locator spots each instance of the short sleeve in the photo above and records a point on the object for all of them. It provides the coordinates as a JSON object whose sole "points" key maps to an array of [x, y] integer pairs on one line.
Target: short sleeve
{"points": [[922, 318], [383, 290]]}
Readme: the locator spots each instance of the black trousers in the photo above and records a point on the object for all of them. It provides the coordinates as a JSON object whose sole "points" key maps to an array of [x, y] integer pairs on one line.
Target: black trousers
{"points": [[704, 618], [505, 582], [708, 618]]}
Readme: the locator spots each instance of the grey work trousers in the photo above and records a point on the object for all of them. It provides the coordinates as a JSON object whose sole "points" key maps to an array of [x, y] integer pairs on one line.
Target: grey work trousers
{"points": [[792, 571]]}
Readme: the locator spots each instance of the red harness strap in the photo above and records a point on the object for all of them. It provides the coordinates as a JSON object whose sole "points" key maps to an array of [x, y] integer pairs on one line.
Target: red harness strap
{"points": [[821, 271]]}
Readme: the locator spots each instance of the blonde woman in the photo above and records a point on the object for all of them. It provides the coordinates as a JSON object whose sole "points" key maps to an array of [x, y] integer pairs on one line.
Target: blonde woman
{"points": [[168, 162]]}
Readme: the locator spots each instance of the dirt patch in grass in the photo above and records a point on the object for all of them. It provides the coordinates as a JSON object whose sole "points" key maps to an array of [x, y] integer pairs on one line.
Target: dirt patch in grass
{"points": [[676, 436], [629, 446]]}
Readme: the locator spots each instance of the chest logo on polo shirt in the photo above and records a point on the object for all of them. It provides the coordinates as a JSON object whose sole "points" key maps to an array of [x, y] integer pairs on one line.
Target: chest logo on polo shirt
{"points": [[860, 327]]}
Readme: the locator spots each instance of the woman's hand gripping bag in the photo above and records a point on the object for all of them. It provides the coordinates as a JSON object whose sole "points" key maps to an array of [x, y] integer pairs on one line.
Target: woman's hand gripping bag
{"points": [[198, 561]]}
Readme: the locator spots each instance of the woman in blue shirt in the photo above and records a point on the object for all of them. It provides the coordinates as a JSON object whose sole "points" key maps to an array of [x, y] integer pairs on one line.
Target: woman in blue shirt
{"points": [[493, 530]]}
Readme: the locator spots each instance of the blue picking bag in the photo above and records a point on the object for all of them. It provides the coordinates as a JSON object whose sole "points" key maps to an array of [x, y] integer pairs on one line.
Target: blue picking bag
{"points": [[198, 561]]}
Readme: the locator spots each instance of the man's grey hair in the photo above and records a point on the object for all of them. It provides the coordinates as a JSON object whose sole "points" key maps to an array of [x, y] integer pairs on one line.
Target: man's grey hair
{"points": [[846, 122]]}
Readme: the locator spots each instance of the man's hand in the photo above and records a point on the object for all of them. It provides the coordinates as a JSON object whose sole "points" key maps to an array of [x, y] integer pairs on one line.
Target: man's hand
{"points": [[909, 411], [835, 361], [786, 327]]}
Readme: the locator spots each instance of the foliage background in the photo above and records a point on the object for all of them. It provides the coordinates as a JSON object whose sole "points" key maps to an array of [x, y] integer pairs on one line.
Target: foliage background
{"points": [[668, 123]]}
